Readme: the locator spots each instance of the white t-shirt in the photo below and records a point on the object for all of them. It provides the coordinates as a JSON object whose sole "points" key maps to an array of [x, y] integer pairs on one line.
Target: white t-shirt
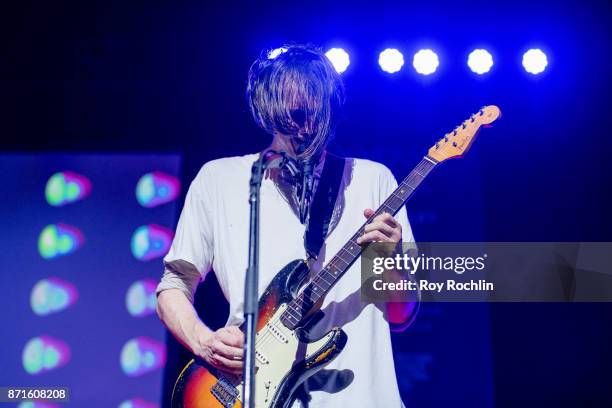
{"points": [[213, 233]]}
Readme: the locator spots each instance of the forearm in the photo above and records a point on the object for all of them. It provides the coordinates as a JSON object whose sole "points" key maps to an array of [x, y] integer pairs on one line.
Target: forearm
{"points": [[180, 317], [401, 306], [400, 313]]}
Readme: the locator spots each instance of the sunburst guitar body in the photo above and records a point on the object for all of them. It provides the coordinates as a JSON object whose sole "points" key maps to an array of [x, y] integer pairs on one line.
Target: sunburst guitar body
{"points": [[285, 357]]}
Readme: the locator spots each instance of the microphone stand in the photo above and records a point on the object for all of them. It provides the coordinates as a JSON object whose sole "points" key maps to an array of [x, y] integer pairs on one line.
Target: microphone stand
{"points": [[251, 283]]}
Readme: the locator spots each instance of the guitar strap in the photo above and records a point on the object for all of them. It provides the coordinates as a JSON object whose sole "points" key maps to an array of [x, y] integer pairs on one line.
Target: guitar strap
{"points": [[323, 203]]}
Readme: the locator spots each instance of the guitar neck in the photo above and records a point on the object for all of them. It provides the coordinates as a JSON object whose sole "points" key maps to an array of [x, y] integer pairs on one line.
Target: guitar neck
{"points": [[327, 277]]}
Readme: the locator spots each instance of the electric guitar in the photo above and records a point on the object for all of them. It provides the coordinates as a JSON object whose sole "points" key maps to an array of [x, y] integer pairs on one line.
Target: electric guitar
{"points": [[285, 356]]}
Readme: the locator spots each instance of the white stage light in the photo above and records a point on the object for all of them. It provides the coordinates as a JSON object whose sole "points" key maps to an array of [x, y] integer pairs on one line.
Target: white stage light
{"points": [[276, 52], [535, 61], [391, 60], [339, 59], [425, 62], [480, 61]]}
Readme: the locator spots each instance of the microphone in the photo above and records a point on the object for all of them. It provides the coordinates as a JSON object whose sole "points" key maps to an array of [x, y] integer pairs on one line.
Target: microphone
{"points": [[278, 160]]}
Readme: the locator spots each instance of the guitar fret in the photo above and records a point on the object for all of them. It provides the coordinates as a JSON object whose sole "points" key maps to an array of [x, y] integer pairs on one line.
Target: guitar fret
{"points": [[385, 208], [334, 262], [326, 282], [395, 201], [345, 249], [320, 283], [351, 244], [325, 272], [413, 186], [343, 264], [343, 253], [335, 272], [303, 305], [291, 310]]}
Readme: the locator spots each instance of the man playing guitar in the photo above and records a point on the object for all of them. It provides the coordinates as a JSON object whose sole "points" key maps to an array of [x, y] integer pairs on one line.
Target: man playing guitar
{"points": [[296, 96]]}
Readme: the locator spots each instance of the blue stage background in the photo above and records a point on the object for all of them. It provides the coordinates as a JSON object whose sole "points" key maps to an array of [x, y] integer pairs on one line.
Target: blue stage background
{"points": [[98, 325]]}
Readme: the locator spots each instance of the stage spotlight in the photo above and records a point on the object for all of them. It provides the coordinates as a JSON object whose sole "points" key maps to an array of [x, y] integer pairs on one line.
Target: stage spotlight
{"points": [[339, 59], [391, 60], [425, 62], [535, 61], [276, 52], [480, 61]]}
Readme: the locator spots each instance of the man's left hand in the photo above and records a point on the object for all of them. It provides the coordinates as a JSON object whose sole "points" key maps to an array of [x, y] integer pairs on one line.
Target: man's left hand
{"points": [[383, 228]]}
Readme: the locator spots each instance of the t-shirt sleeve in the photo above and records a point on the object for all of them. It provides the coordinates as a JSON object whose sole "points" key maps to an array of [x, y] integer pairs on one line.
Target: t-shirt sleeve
{"points": [[191, 254]]}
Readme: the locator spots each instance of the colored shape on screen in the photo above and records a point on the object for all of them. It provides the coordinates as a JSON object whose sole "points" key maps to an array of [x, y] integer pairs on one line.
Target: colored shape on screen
{"points": [[140, 299], [59, 239], [44, 353], [66, 187], [37, 404], [142, 355], [137, 403], [157, 188], [52, 295], [150, 242]]}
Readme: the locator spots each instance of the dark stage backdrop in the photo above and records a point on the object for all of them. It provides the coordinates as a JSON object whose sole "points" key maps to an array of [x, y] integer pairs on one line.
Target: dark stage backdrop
{"points": [[81, 238]]}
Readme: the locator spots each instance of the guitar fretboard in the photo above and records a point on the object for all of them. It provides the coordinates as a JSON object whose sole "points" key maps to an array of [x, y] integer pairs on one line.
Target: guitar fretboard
{"points": [[323, 281]]}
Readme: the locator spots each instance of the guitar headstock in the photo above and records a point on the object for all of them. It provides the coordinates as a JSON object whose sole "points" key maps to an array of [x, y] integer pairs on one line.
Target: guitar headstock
{"points": [[458, 142]]}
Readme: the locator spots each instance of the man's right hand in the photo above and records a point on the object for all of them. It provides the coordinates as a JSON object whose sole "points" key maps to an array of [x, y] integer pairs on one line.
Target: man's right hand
{"points": [[223, 349]]}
